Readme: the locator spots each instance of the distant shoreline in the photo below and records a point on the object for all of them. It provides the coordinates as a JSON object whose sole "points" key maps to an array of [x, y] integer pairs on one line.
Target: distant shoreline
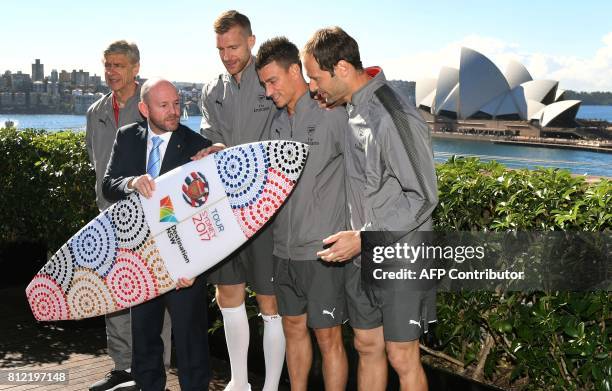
{"points": [[540, 143]]}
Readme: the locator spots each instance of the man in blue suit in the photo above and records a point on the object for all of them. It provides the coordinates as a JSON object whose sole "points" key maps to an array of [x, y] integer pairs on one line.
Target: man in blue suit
{"points": [[141, 152]]}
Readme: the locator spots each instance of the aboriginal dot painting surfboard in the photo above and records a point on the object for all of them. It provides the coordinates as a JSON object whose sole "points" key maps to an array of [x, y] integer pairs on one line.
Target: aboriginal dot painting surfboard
{"points": [[138, 248]]}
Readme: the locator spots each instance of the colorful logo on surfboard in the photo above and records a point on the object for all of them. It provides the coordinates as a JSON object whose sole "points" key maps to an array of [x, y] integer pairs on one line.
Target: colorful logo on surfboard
{"points": [[195, 189], [166, 211]]}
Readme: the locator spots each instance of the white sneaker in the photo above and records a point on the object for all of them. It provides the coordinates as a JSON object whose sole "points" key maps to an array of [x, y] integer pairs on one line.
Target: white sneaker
{"points": [[230, 387]]}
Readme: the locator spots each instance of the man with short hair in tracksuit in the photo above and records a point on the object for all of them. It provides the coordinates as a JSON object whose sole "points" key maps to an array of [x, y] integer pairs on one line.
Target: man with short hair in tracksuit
{"points": [[309, 291], [235, 111], [391, 186]]}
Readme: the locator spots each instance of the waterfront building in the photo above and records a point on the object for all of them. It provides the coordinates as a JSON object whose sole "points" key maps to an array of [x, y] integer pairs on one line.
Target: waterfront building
{"points": [[479, 91], [38, 71], [19, 99], [44, 99], [95, 82], [82, 101], [34, 99], [5, 82], [64, 77], [53, 88], [80, 78], [6, 99], [21, 82], [38, 86]]}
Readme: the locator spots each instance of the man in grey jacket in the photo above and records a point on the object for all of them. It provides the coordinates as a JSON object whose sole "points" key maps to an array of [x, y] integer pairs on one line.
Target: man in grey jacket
{"points": [[115, 109], [391, 186], [235, 110], [310, 292]]}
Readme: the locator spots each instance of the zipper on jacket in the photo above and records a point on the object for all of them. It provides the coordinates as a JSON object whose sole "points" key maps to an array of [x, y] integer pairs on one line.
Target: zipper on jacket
{"points": [[291, 203]]}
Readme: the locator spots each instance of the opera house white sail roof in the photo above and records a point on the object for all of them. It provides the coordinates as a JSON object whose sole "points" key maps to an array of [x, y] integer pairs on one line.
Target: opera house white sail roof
{"points": [[479, 90]]}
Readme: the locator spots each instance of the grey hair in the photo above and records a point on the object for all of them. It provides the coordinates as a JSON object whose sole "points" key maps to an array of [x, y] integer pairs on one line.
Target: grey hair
{"points": [[128, 49]]}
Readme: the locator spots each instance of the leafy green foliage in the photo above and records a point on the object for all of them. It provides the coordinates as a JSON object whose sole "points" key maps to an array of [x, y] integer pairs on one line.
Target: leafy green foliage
{"points": [[542, 340], [48, 186], [549, 340]]}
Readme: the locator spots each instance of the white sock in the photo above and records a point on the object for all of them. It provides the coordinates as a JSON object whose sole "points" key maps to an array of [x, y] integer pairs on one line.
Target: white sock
{"points": [[236, 325], [274, 350]]}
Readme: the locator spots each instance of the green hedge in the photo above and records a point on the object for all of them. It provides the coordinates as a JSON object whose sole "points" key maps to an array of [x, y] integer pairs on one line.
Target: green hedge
{"points": [[47, 186], [543, 340]]}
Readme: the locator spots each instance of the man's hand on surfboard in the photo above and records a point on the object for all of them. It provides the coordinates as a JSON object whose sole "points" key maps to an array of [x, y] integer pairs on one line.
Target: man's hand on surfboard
{"points": [[143, 184], [344, 246], [184, 282], [216, 147]]}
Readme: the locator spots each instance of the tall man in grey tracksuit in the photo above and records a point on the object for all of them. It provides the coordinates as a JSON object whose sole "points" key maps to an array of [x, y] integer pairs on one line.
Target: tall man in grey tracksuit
{"points": [[114, 110], [235, 110], [310, 292], [391, 186]]}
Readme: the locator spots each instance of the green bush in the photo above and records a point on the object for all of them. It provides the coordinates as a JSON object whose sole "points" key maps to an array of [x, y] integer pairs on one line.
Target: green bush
{"points": [[541, 340], [48, 186]]}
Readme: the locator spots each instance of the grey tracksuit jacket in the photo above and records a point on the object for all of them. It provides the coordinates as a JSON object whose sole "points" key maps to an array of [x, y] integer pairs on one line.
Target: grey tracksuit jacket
{"points": [[235, 113], [391, 179], [100, 133], [316, 207]]}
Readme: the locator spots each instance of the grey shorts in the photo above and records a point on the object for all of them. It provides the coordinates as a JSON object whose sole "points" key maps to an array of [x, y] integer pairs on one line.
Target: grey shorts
{"points": [[251, 264], [311, 287], [405, 315]]}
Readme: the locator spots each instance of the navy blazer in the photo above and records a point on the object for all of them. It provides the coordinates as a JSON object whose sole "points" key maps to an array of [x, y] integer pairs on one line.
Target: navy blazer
{"points": [[129, 156]]}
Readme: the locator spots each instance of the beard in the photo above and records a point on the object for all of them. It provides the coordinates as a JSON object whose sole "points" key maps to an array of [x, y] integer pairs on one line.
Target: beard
{"points": [[167, 124]]}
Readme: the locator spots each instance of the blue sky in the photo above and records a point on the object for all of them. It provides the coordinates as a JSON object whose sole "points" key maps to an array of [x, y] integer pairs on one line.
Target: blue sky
{"points": [[560, 40]]}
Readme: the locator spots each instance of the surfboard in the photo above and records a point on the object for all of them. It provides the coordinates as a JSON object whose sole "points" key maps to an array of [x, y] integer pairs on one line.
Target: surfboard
{"points": [[138, 248]]}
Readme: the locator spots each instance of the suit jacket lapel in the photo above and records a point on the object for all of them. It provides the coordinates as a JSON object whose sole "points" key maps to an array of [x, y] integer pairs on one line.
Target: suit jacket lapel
{"points": [[140, 152], [174, 152]]}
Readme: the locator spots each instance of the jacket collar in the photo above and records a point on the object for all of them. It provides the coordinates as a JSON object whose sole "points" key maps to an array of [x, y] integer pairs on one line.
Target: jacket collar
{"points": [[248, 74], [174, 149], [365, 93], [302, 106], [108, 104]]}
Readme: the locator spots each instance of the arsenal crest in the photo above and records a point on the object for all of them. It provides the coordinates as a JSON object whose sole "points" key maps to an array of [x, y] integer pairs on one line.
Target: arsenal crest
{"points": [[195, 189]]}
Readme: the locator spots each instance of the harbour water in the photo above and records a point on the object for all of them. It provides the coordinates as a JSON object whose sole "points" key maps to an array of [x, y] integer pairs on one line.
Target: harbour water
{"points": [[578, 162]]}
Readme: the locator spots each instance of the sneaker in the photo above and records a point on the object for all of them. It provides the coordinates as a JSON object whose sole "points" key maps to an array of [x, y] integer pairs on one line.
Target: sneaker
{"points": [[230, 387], [115, 380]]}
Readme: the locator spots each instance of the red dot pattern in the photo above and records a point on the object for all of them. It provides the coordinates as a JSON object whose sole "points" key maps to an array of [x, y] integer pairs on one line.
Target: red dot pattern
{"points": [[276, 190], [130, 281], [46, 298]]}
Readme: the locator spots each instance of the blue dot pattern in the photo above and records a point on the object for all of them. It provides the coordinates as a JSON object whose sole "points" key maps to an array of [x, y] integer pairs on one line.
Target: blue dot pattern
{"points": [[95, 245], [244, 173]]}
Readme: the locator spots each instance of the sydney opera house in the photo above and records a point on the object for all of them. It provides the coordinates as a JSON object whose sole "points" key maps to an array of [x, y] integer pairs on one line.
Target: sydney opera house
{"points": [[478, 94]]}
